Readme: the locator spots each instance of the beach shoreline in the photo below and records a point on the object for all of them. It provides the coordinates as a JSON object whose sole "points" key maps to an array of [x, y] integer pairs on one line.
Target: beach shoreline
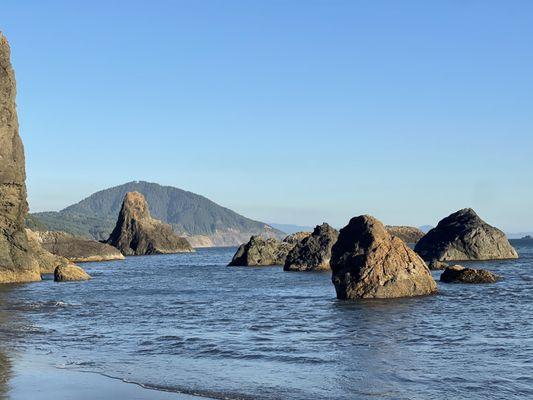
{"points": [[32, 377]]}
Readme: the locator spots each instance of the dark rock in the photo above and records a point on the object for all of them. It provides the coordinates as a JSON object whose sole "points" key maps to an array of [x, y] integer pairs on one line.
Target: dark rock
{"points": [[77, 249], [368, 262], [70, 272], [435, 265], [409, 234], [313, 252], [260, 251], [459, 274], [137, 233], [464, 236]]}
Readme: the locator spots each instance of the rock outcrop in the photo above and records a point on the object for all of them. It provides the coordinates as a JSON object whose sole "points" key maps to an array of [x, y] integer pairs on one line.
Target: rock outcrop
{"points": [[260, 251], [17, 262], [459, 274], [70, 272], [77, 249], [435, 265], [368, 262], [312, 253], [48, 262], [464, 236], [409, 234], [137, 233]]}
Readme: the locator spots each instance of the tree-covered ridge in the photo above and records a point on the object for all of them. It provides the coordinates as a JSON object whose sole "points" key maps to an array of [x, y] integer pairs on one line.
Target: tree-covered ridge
{"points": [[187, 212]]}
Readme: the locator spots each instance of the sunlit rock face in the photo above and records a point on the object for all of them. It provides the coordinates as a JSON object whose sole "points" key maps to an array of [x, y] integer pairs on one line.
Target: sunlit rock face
{"points": [[17, 262]]}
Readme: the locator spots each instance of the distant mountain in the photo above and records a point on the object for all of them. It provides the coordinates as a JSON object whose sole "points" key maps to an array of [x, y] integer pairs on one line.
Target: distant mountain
{"points": [[204, 222], [288, 228]]}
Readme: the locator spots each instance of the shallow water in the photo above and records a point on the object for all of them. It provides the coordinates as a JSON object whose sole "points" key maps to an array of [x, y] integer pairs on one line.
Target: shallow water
{"points": [[188, 323]]}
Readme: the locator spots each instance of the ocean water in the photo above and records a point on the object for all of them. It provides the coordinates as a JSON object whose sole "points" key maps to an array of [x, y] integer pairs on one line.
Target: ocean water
{"points": [[190, 324]]}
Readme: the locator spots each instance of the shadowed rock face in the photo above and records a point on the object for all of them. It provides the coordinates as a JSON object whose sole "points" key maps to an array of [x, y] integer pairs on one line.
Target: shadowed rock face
{"points": [[17, 262], [260, 251], [367, 262], [409, 234], [77, 249], [137, 233], [459, 274], [313, 253], [464, 236]]}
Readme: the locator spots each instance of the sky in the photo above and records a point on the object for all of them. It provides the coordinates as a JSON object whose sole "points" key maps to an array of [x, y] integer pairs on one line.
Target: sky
{"points": [[284, 111]]}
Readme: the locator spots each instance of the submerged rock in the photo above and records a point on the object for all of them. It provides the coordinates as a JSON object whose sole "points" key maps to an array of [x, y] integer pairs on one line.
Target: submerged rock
{"points": [[464, 236], [459, 274], [313, 252], [77, 249], [137, 233], [368, 262], [409, 234], [70, 272], [260, 251]]}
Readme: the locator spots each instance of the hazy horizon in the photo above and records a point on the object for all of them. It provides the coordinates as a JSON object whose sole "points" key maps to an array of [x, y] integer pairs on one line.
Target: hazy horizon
{"points": [[285, 113]]}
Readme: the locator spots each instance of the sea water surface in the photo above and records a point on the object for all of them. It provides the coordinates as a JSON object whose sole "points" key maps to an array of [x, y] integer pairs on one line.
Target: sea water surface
{"points": [[190, 324]]}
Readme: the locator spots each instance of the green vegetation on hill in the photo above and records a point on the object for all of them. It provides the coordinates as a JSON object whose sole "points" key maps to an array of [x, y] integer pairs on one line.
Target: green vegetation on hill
{"points": [[187, 212]]}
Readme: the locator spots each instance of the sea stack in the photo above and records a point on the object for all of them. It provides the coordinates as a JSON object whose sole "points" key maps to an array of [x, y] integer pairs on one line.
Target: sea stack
{"points": [[313, 253], [409, 234], [17, 261], [464, 236], [368, 262], [260, 251], [137, 233]]}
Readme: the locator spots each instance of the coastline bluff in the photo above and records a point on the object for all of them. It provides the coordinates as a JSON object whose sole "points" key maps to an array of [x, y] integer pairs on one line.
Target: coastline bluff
{"points": [[368, 262], [463, 235], [260, 251], [22, 259], [137, 233]]}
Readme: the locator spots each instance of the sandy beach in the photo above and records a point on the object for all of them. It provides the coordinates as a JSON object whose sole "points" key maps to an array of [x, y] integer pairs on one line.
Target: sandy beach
{"points": [[32, 378]]}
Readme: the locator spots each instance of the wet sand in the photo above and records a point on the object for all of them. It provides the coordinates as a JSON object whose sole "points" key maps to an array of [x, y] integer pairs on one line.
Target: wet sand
{"points": [[34, 379]]}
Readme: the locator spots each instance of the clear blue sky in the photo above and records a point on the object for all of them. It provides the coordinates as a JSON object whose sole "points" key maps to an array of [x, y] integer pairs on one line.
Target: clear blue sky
{"points": [[285, 111]]}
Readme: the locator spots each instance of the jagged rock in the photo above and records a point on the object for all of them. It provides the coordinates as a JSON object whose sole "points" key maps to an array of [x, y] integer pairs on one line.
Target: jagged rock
{"points": [[368, 262], [435, 265], [70, 272], [77, 249], [459, 274], [17, 262], [313, 252], [464, 236], [409, 234], [137, 233], [295, 238], [260, 251]]}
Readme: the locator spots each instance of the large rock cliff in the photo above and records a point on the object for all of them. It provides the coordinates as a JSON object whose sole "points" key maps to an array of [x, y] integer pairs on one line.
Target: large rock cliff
{"points": [[137, 233], [17, 262]]}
